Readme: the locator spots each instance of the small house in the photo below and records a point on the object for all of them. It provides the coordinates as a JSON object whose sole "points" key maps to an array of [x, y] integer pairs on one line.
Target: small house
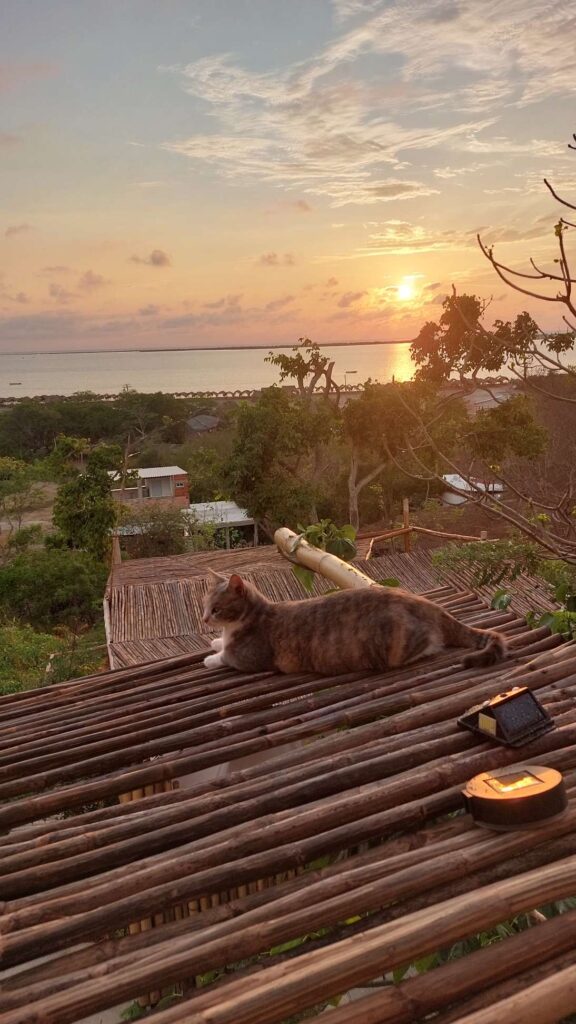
{"points": [[162, 485]]}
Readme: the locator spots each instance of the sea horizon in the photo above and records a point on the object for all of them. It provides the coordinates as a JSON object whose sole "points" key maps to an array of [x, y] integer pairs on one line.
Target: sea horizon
{"points": [[186, 370]]}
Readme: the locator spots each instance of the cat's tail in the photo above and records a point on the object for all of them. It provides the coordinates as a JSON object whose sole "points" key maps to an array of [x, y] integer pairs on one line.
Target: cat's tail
{"points": [[488, 646]]}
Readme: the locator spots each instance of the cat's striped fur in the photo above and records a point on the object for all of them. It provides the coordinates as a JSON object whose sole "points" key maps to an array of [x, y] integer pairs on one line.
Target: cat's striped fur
{"points": [[369, 629]]}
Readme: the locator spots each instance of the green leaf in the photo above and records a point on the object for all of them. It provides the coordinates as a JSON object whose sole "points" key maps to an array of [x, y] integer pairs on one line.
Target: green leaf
{"points": [[342, 548], [304, 576], [501, 601], [390, 581], [348, 531]]}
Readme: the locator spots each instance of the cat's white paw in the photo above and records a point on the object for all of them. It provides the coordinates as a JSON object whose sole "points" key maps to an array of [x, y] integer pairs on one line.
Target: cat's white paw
{"points": [[213, 660], [217, 643]]}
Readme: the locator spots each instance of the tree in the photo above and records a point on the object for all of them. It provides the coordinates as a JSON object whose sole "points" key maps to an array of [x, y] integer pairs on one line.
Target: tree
{"points": [[84, 510], [542, 508], [272, 469], [155, 532], [459, 343], [19, 493], [380, 426], [46, 589], [309, 368]]}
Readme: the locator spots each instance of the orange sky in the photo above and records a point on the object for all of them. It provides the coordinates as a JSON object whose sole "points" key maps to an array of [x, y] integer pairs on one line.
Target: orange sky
{"points": [[208, 172]]}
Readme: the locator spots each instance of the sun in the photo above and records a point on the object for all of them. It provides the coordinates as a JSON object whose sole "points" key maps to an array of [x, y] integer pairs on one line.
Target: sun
{"points": [[405, 290]]}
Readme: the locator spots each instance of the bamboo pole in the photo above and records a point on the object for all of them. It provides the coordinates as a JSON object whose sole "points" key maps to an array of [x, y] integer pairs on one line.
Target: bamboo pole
{"points": [[451, 982], [298, 550], [543, 1003], [280, 991]]}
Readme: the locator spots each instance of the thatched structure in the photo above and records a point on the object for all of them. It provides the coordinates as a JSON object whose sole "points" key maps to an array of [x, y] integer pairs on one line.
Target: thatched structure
{"points": [[153, 606], [312, 846]]}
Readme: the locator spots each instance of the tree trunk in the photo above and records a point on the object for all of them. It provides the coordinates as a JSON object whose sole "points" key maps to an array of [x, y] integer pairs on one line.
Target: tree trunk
{"points": [[353, 513]]}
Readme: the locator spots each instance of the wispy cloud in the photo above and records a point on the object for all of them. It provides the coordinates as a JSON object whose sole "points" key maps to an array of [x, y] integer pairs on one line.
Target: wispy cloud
{"points": [[274, 259], [60, 294], [7, 140], [14, 74], [276, 304], [317, 124], [350, 298], [17, 229], [157, 258], [89, 281]]}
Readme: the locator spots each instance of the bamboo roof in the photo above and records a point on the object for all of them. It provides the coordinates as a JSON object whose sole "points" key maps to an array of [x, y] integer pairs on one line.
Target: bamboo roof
{"points": [[309, 808], [154, 605]]}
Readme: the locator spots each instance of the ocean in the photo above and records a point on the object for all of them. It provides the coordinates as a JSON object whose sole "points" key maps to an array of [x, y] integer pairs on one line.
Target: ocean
{"points": [[66, 373]]}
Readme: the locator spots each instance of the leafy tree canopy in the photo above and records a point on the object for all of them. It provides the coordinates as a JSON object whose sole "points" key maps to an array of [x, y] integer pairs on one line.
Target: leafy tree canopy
{"points": [[269, 468], [84, 510], [459, 343], [157, 531], [46, 589]]}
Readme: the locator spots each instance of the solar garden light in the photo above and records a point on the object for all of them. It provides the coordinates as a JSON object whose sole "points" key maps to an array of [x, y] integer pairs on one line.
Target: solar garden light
{"points": [[512, 718], [519, 796], [516, 797]]}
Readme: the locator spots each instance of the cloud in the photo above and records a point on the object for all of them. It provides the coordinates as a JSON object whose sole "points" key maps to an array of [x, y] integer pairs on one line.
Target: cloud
{"points": [[318, 125], [525, 232], [346, 9], [349, 298], [7, 139], [331, 282], [400, 237], [17, 229], [226, 302], [60, 294], [299, 128], [301, 206], [276, 304], [273, 259], [57, 269], [89, 281], [157, 258], [14, 74], [150, 184], [149, 310]]}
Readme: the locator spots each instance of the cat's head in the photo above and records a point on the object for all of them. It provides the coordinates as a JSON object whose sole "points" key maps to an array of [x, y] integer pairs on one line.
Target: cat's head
{"points": [[225, 602]]}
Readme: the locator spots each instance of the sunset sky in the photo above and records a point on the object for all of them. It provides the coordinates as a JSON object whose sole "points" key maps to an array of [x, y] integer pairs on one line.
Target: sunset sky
{"points": [[182, 173]]}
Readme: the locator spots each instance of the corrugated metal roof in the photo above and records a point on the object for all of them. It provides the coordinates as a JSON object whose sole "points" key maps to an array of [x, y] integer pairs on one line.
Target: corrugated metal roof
{"points": [[151, 472], [225, 513], [148, 473]]}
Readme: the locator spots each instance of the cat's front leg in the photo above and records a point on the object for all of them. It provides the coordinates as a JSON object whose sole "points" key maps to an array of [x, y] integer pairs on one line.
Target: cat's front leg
{"points": [[215, 660], [217, 643]]}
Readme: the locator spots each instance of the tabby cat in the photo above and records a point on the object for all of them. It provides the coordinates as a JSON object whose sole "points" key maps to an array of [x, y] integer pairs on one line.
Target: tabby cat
{"points": [[369, 629]]}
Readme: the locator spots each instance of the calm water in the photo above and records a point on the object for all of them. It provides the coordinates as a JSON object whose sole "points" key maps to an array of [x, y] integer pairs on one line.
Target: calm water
{"points": [[198, 370]]}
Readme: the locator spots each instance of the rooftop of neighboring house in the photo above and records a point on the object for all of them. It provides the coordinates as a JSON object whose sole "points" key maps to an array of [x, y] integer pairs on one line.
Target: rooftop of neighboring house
{"points": [[151, 472], [220, 513], [203, 422]]}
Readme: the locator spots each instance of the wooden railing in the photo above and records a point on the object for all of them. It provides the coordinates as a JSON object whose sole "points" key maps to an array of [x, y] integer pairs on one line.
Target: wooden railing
{"points": [[407, 530]]}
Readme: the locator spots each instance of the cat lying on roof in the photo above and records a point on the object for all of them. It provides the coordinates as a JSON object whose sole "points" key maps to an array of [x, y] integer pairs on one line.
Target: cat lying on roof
{"points": [[369, 629]]}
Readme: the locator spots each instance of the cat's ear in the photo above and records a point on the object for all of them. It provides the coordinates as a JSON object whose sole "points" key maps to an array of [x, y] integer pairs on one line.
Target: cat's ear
{"points": [[218, 576], [236, 584]]}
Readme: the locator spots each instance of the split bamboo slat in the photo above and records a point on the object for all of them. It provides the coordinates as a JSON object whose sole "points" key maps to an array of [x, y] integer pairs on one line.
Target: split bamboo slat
{"points": [[267, 842]]}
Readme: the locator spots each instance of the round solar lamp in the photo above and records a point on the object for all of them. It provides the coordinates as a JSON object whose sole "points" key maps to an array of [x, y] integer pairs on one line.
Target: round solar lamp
{"points": [[516, 797]]}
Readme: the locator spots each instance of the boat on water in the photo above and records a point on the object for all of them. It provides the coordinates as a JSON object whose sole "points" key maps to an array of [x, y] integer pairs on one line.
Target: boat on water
{"points": [[14, 383]]}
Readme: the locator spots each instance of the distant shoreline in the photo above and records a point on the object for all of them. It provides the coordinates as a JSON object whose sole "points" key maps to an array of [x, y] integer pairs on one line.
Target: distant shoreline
{"points": [[211, 348]]}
